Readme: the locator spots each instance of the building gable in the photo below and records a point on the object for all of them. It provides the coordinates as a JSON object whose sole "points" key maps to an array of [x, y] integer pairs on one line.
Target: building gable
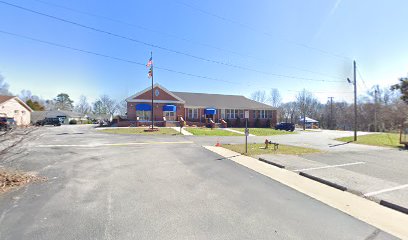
{"points": [[160, 94]]}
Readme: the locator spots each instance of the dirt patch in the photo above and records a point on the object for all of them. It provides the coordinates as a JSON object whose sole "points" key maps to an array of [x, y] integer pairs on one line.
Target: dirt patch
{"points": [[10, 179]]}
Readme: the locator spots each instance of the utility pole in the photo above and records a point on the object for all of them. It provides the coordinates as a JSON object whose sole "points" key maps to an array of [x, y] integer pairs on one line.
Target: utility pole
{"points": [[375, 110], [331, 113], [151, 69], [355, 99]]}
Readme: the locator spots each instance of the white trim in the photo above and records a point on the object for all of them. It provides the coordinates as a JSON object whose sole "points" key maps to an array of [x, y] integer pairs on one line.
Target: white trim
{"points": [[21, 102], [131, 98]]}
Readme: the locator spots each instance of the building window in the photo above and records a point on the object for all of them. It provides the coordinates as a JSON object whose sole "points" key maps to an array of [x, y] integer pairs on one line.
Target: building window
{"points": [[261, 114], [15, 111], [270, 114], [192, 113], [222, 113], [241, 114], [170, 116], [23, 112], [230, 113], [143, 115]]}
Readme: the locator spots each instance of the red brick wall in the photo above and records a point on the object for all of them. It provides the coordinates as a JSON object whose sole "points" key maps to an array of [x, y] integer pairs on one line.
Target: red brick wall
{"points": [[162, 95]]}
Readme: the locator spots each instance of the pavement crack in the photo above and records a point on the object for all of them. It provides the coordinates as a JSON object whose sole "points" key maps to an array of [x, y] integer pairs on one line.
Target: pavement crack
{"points": [[373, 235]]}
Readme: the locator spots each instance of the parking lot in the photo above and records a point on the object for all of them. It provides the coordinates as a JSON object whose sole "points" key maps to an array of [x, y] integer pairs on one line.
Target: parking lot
{"points": [[373, 172], [105, 186]]}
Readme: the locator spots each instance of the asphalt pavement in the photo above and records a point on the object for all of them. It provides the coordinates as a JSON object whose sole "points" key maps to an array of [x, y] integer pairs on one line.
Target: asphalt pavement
{"points": [[104, 186]]}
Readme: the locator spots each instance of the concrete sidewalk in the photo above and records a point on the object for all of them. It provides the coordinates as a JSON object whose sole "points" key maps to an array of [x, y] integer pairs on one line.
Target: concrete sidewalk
{"points": [[235, 131], [183, 131]]}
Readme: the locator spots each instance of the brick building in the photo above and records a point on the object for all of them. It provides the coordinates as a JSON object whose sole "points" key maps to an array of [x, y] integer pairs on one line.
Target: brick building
{"points": [[196, 108]]}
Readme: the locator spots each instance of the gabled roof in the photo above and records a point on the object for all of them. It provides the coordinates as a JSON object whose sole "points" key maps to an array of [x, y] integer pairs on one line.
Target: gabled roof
{"points": [[220, 101], [4, 99], [132, 98]]}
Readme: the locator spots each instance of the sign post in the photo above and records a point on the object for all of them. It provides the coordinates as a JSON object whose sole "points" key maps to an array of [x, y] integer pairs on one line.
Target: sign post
{"points": [[246, 131]]}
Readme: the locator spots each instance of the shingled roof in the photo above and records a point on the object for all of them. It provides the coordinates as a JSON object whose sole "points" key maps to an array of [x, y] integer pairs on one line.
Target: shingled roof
{"points": [[220, 101]]}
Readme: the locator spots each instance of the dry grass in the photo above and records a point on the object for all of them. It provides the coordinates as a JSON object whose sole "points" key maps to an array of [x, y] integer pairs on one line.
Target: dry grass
{"points": [[10, 179]]}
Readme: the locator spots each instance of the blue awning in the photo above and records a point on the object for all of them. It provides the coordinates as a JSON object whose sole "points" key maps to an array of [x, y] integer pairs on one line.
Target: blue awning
{"points": [[169, 108], [143, 107], [210, 111]]}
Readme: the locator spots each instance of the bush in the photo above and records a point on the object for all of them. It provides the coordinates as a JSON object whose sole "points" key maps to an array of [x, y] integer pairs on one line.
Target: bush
{"points": [[257, 123], [228, 122], [238, 122], [73, 121], [268, 123]]}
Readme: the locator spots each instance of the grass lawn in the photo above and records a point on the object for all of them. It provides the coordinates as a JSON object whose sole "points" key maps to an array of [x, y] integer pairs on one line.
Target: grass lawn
{"points": [[209, 132], [258, 149], [377, 139], [264, 131], [162, 131]]}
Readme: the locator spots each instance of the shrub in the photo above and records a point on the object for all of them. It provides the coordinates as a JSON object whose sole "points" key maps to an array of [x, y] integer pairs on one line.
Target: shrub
{"points": [[238, 122], [73, 121], [268, 123], [228, 122], [257, 123]]}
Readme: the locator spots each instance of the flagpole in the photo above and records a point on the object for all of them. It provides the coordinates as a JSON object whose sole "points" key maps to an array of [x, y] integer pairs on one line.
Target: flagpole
{"points": [[152, 115]]}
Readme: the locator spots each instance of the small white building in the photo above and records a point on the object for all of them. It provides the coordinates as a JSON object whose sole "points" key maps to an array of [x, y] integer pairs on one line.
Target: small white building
{"points": [[14, 107]]}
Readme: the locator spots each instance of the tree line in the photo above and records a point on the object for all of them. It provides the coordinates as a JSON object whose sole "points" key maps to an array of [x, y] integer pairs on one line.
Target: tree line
{"points": [[378, 109], [104, 105]]}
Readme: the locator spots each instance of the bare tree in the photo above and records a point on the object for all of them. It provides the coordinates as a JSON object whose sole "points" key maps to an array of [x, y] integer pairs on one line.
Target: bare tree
{"points": [[306, 103], [105, 105], [259, 96], [83, 105], [4, 87], [275, 98], [122, 108], [289, 112]]}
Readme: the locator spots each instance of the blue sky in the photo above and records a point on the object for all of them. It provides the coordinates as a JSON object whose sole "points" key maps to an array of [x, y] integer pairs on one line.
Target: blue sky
{"points": [[316, 40]]}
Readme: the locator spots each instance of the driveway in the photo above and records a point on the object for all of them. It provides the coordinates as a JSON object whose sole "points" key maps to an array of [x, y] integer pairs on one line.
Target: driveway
{"points": [[103, 186]]}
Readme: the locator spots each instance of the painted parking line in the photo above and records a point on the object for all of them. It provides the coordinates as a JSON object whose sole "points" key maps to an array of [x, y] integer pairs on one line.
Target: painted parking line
{"points": [[112, 144], [386, 190], [329, 166]]}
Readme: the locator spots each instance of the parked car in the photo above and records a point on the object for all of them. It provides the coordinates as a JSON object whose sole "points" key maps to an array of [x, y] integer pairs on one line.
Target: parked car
{"points": [[7, 124], [285, 126], [49, 121]]}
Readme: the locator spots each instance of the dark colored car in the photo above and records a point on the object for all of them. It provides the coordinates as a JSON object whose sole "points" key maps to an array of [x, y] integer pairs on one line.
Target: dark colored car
{"points": [[285, 126], [49, 121], [7, 123]]}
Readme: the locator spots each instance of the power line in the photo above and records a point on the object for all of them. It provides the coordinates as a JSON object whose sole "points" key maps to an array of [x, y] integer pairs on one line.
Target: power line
{"points": [[362, 79], [260, 31], [112, 57], [178, 37], [160, 47], [319, 92]]}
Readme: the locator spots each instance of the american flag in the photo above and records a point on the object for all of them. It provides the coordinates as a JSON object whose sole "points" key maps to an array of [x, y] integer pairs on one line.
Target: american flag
{"points": [[150, 62]]}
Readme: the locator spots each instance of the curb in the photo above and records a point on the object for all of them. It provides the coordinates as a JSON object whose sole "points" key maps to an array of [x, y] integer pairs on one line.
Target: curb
{"points": [[394, 206], [271, 163], [331, 184]]}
